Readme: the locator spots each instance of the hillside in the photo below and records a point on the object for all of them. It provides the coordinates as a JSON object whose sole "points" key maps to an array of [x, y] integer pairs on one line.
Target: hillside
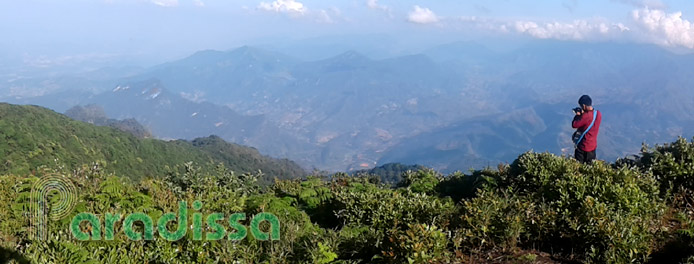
{"points": [[542, 208], [32, 136]]}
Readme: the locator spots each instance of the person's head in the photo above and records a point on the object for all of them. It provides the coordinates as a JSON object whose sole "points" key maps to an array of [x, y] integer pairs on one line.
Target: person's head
{"points": [[585, 102]]}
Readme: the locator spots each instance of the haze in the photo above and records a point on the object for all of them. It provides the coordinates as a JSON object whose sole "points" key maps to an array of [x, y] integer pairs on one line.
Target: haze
{"points": [[45, 33]]}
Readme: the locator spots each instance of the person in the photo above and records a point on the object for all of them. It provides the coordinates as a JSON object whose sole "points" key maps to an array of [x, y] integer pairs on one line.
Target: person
{"points": [[586, 145]]}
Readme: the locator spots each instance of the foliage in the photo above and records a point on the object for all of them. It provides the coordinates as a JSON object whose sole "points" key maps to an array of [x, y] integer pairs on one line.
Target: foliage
{"points": [[421, 181], [493, 220], [390, 173], [384, 209], [604, 214], [672, 164], [31, 136], [419, 243], [542, 203], [459, 186]]}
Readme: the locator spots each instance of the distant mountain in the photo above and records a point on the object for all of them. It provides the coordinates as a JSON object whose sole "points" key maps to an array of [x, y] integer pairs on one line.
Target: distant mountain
{"points": [[453, 106], [61, 91], [471, 53], [171, 116], [317, 48], [322, 111], [474, 143], [225, 77], [95, 115], [31, 136]]}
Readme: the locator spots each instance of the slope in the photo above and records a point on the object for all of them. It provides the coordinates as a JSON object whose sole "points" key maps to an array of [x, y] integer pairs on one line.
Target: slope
{"points": [[32, 136]]}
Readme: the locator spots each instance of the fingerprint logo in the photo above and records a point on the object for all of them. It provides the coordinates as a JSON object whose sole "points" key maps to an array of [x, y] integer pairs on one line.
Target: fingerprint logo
{"points": [[52, 197]]}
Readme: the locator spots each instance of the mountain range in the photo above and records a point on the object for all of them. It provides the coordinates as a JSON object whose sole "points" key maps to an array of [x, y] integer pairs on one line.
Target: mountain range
{"points": [[452, 107]]}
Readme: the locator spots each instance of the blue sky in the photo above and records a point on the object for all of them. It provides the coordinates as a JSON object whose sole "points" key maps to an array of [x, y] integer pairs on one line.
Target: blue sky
{"points": [[84, 29]]}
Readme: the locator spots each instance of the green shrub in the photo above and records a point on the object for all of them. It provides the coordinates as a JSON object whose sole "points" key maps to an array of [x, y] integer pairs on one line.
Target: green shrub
{"points": [[419, 243], [359, 242], [421, 181], [459, 186], [602, 213], [672, 164], [384, 209], [493, 220]]}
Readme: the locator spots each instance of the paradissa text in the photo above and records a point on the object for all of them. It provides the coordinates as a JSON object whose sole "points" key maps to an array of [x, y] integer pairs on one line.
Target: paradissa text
{"points": [[213, 221]]}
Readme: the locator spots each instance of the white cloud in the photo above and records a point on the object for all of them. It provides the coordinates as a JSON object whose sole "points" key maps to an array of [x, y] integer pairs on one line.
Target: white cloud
{"points": [[666, 29], [165, 3], [297, 10], [373, 4], [199, 3], [655, 4], [621, 27], [422, 16], [284, 6], [577, 30]]}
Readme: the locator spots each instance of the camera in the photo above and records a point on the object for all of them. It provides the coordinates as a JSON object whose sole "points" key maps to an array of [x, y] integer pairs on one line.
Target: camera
{"points": [[577, 110]]}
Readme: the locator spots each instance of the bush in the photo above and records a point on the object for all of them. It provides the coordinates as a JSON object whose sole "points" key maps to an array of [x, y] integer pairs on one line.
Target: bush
{"points": [[384, 209], [602, 213], [459, 186], [421, 181], [672, 164], [419, 243], [493, 220]]}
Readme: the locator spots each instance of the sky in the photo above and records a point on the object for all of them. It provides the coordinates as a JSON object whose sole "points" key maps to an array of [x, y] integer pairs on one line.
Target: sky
{"points": [[50, 32]]}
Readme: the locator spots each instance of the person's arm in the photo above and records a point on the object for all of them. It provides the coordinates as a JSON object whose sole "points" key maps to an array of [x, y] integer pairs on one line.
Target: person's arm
{"points": [[579, 121]]}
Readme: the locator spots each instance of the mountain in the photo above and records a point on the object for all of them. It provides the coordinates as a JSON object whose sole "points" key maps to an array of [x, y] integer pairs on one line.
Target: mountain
{"points": [[60, 91], [32, 136], [473, 143], [317, 48], [468, 52], [224, 76], [439, 108], [170, 116], [318, 117], [95, 115]]}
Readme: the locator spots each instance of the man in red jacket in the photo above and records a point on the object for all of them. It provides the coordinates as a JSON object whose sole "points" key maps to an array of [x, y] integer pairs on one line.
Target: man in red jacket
{"points": [[585, 148]]}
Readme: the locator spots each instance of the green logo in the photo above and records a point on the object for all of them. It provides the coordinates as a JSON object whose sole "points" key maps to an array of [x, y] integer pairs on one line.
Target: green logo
{"points": [[53, 197]]}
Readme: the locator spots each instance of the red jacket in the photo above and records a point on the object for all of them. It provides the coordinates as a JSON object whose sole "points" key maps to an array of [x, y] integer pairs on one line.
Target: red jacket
{"points": [[581, 122]]}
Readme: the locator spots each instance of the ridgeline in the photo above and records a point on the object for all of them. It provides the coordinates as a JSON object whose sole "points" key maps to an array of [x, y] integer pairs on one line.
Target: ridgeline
{"points": [[33, 136]]}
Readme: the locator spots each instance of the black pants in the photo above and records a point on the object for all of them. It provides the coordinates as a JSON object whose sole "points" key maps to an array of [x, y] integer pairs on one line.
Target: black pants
{"points": [[584, 156]]}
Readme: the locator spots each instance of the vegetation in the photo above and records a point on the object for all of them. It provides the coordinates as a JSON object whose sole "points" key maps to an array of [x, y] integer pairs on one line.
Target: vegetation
{"points": [[32, 136], [390, 173], [542, 207]]}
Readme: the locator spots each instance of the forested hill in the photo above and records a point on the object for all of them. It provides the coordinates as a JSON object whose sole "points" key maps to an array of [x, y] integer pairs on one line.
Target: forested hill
{"points": [[33, 136]]}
